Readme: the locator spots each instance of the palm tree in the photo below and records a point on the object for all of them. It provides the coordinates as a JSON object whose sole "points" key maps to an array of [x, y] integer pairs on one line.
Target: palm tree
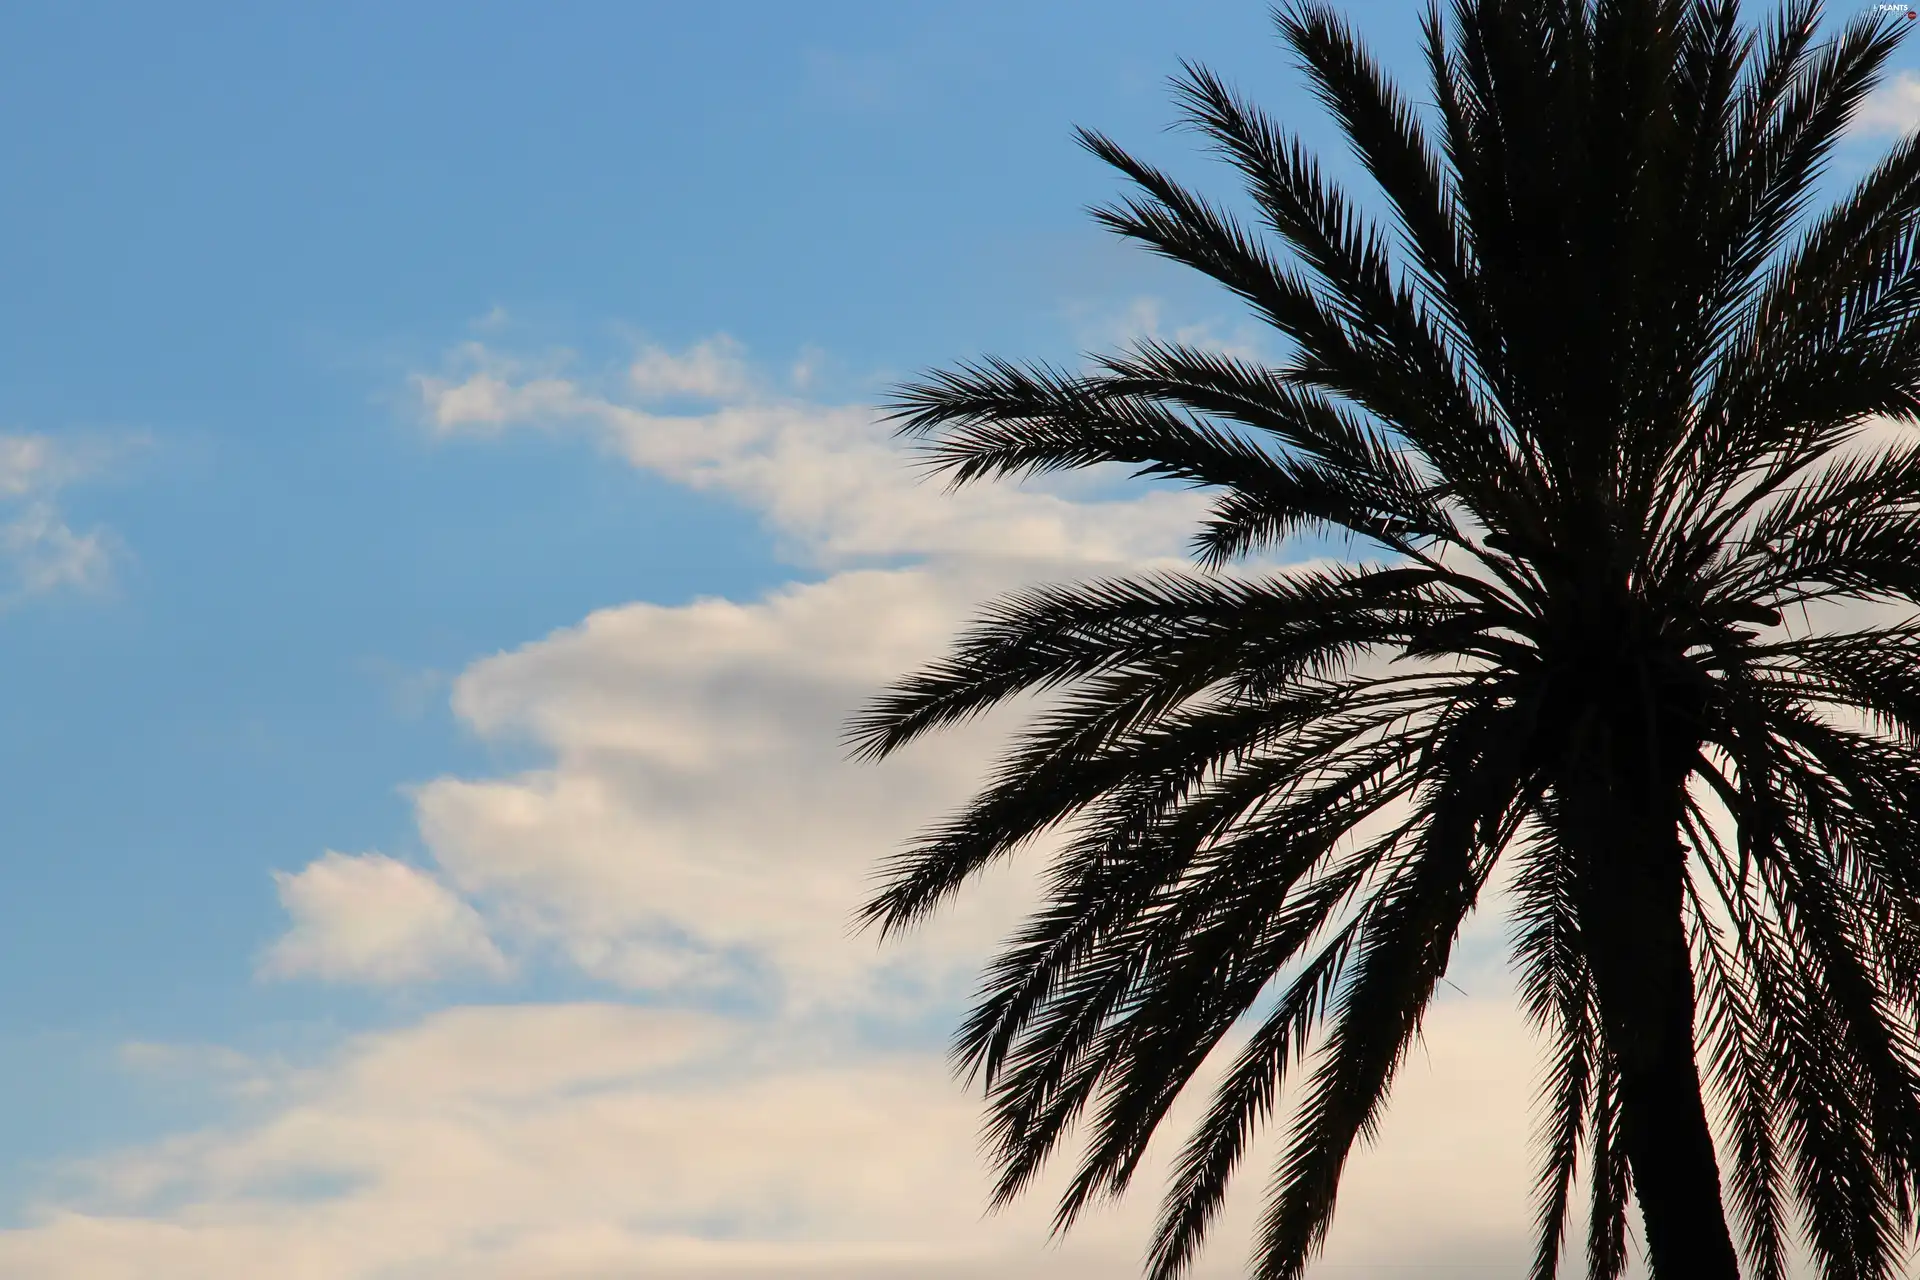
{"points": [[1602, 403]]}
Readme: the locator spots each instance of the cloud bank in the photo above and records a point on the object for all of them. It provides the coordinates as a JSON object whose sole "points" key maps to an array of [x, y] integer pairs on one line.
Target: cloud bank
{"points": [[770, 1099]]}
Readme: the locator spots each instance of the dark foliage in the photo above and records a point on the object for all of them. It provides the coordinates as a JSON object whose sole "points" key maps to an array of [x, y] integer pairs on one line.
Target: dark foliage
{"points": [[1604, 404]]}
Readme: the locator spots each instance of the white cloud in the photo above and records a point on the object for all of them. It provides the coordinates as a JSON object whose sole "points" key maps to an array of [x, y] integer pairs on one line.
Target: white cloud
{"points": [[369, 918], [709, 370], [47, 554], [830, 480], [40, 550], [1106, 324], [695, 833], [490, 398], [1893, 108], [28, 463], [534, 1142], [699, 825], [699, 822]]}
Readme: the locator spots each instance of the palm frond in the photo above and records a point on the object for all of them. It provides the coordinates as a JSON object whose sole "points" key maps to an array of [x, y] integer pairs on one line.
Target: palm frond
{"points": [[1583, 386]]}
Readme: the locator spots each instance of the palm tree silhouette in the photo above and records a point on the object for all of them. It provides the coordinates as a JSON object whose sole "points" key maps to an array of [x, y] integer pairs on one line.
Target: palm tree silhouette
{"points": [[1598, 406]]}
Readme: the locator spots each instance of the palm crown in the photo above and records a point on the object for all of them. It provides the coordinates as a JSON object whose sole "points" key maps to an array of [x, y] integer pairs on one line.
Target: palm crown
{"points": [[1600, 400]]}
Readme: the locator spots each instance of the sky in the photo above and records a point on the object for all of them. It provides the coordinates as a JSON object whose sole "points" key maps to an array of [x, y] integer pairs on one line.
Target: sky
{"points": [[444, 527]]}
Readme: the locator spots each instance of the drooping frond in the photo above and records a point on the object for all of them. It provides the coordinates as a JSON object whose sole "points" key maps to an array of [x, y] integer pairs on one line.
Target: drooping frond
{"points": [[1557, 987], [1400, 957]]}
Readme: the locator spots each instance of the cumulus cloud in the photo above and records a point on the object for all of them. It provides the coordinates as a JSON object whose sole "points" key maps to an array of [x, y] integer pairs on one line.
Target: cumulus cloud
{"points": [[695, 836], [699, 826], [369, 918], [699, 823]]}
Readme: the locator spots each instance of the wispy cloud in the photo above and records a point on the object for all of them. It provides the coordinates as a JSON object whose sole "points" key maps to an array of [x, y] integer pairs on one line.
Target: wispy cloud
{"points": [[829, 479], [1108, 325], [40, 551], [711, 370]]}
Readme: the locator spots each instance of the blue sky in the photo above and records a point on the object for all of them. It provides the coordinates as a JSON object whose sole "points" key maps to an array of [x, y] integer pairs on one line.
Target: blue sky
{"points": [[355, 349]]}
